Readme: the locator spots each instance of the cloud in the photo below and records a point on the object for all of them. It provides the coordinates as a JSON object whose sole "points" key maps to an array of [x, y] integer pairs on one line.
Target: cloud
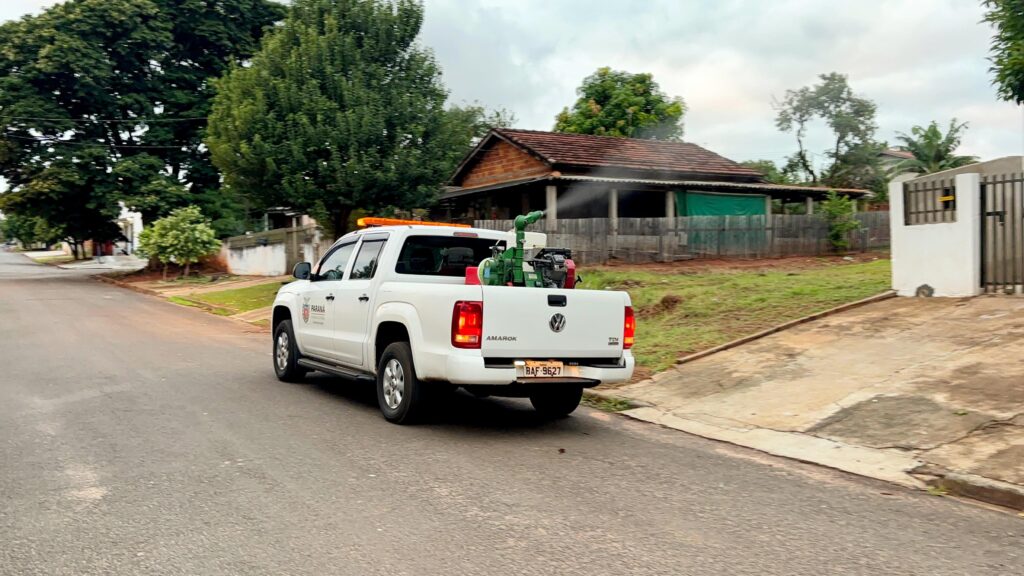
{"points": [[919, 60], [14, 9]]}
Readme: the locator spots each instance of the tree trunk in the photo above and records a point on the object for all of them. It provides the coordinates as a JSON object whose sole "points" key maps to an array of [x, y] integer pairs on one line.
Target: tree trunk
{"points": [[339, 221], [165, 271], [187, 266]]}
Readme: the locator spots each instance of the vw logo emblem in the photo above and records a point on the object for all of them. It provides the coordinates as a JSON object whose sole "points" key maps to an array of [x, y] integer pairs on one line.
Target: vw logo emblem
{"points": [[557, 323]]}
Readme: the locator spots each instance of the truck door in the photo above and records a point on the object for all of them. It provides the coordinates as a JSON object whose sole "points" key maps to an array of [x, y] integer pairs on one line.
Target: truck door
{"points": [[354, 299], [315, 326]]}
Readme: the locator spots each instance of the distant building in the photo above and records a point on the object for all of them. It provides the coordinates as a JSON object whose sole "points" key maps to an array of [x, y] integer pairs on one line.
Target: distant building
{"points": [[581, 176], [890, 158], [284, 217]]}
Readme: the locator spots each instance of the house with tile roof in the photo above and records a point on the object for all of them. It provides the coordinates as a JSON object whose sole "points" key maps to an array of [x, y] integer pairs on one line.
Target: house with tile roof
{"points": [[582, 176]]}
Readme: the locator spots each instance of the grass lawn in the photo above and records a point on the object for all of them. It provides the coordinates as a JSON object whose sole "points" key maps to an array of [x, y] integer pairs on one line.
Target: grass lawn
{"points": [[62, 259], [693, 309], [236, 300]]}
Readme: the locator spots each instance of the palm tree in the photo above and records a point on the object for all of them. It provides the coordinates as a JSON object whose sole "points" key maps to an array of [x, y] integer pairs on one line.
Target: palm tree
{"points": [[933, 151]]}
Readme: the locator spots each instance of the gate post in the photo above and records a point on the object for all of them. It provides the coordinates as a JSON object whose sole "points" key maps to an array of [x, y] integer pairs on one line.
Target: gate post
{"points": [[937, 258], [968, 211]]}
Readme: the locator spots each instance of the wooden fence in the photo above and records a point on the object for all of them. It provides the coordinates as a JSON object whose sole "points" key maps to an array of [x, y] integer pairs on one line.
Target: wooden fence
{"points": [[592, 240]]}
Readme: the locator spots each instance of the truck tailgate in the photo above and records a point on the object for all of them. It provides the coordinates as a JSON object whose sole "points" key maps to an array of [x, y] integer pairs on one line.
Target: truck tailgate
{"points": [[547, 323]]}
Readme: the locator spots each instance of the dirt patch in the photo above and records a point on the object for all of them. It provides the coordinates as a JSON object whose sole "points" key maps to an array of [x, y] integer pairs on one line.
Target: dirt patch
{"points": [[667, 303]]}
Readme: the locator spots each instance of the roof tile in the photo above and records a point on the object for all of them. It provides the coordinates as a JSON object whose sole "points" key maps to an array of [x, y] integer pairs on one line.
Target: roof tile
{"points": [[606, 151]]}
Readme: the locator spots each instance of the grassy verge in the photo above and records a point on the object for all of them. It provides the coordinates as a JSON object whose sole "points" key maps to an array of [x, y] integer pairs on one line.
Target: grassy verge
{"points": [[237, 300], [198, 304], [682, 313], [55, 260], [605, 404]]}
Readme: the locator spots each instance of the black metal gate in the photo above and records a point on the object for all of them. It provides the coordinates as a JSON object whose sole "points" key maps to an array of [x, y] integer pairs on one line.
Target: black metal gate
{"points": [[1002, 233]]}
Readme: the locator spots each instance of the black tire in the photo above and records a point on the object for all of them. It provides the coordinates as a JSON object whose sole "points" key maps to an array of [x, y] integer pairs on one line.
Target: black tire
{"points": [[285, 355], [557, 402], [400, 394]]}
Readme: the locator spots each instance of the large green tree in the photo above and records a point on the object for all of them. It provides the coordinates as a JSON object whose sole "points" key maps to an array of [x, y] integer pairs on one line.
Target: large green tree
{"points": [[617, 103], [933, 151], [340, 109], [771, 172], [851, 158], [106, 100], [1007, 18]]}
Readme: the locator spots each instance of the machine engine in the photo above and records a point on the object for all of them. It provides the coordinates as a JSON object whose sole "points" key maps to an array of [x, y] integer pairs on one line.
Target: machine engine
{"points": [[550, 267]]}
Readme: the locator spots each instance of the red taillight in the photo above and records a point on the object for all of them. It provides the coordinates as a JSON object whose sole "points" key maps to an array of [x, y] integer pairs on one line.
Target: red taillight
{"points": [[467, 324], [629, 328]]}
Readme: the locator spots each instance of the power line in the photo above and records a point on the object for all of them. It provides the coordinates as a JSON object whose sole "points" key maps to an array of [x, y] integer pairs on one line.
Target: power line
{"points": [[95, 144], [109, 120]]}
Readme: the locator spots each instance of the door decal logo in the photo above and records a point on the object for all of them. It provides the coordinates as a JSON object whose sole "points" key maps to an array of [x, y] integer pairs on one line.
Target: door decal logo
{"points": [[557, 322], [305, 310]]}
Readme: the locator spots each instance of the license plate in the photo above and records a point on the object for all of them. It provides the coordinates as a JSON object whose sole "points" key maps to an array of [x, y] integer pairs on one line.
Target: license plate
{"points": [[544, 369]]}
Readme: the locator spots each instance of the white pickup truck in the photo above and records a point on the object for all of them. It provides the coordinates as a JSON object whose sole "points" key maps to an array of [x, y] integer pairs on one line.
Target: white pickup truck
{"points": [[392, 304]]}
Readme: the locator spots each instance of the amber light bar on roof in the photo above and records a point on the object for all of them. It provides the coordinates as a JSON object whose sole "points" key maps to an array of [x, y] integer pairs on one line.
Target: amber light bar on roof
{"points": [[365, 222]]}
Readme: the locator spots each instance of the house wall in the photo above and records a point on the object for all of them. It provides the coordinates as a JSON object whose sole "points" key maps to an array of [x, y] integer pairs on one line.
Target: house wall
{"points": [[501, 163], [943, 256]]}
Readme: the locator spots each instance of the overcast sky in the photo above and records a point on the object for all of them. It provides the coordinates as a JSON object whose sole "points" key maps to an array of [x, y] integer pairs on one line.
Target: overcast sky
{"points": [[919, 60]]}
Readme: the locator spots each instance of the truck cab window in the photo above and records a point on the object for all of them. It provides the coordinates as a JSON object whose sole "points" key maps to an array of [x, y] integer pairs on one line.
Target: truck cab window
{"points": [[333, 266], [442, 255], [366, 261]]}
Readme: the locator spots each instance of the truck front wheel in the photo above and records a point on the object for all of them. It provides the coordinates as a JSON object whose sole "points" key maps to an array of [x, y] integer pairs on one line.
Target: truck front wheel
{"points": [[399, 393], [557, 402], [286, 353]]}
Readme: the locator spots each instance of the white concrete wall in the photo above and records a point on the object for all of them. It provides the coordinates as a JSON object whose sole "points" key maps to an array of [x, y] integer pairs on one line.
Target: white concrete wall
{"points": [[947, 256], [131, 225], [267, 260]]}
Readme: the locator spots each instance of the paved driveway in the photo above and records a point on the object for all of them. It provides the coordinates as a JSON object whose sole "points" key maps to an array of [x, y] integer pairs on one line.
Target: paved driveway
{"points": [[915, 380]]}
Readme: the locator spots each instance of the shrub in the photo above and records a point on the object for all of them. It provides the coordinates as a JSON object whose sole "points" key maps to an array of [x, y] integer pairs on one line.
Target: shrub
{"points": [[839, 213], [183, 237]]}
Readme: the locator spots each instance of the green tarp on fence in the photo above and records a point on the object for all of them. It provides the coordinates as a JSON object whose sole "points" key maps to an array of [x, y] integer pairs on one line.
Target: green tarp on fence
{"points": [[703, 204], [724, 223]]}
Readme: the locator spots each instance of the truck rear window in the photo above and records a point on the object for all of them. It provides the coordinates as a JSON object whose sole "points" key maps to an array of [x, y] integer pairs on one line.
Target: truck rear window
{"points": [[442, 255]]}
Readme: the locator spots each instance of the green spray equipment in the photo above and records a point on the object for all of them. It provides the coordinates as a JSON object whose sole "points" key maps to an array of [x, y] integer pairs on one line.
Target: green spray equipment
{"points": [[552, 267]]}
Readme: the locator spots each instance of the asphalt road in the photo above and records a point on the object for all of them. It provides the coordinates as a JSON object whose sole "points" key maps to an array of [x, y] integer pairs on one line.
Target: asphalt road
{"points": [[139, 437]]}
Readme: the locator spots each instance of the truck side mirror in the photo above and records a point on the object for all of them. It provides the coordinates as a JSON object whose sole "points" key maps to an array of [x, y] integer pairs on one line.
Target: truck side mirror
{"points": [[302, 270]]}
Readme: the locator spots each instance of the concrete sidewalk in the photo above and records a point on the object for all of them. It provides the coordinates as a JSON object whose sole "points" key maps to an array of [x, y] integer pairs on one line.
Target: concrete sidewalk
{"points": [[905, 390], [119, 263]]}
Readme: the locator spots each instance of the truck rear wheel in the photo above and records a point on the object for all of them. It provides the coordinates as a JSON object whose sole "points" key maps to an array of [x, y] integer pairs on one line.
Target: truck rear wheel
{"points": [[399, 393], [557, 402]]}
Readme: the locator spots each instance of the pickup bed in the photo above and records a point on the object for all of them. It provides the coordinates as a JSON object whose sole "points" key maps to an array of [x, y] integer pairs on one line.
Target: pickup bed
{"points": [[392, 304]]}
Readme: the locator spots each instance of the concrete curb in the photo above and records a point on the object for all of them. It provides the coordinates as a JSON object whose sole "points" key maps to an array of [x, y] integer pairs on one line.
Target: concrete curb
{"points": [[887, 465], [983, 489], [768, 332], [127, 285]]}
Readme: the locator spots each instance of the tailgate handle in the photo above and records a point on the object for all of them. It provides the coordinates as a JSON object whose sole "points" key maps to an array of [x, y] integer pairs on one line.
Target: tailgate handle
{"points": [[557, 300]]}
